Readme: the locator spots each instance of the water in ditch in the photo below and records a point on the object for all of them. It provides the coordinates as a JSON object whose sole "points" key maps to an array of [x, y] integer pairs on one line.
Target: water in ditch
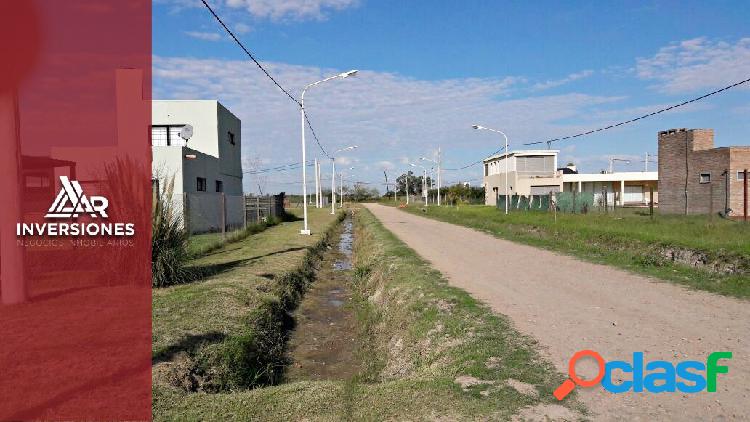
{"points": [[322, 345]]}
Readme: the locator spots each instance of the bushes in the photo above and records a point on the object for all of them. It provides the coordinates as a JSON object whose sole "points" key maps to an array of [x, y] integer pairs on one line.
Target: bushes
{"points": [[169, 252]]}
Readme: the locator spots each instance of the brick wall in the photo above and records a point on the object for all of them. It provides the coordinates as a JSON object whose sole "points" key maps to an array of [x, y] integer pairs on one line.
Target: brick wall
{"points": [[673, 145], [686, 153], [739, 160]]}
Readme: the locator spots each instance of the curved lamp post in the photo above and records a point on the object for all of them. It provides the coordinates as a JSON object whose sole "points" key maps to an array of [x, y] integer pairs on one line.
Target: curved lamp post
{"points": [[333, 176], [478, 127], [306, 229]]}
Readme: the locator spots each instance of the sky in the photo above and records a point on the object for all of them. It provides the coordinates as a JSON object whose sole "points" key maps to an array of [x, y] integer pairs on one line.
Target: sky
{"points": [[429, 70]]}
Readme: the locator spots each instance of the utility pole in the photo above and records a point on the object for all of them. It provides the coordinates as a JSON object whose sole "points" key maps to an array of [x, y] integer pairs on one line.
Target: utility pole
{"points": [[317, 183], [333, 186], [407, 187], [439, 163]]}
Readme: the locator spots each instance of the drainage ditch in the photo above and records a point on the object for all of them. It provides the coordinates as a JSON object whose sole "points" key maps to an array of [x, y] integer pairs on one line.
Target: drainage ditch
{"points": [[323, 345]]}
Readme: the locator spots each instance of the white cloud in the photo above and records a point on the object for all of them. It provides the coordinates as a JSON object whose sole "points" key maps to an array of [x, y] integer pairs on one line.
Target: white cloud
{"points": [[696, 64], [385, 165], [344, 161], [566, 80], [242, 28], [394, 119], [205, 36], [291, 9]]}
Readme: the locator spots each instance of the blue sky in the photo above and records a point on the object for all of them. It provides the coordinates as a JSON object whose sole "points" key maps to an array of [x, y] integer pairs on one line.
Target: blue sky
{"points": [[429, 70]]}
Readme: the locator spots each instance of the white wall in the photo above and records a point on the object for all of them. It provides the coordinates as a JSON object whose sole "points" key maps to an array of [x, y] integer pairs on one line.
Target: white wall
{"points": [[211, 123]]}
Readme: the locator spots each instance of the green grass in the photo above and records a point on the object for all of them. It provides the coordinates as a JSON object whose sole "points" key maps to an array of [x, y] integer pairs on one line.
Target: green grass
{"points": [[418, 336], [628, 239], [223, 331], [201, 244]]}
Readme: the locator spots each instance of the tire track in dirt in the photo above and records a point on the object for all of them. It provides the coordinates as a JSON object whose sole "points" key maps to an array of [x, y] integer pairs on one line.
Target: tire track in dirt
{"points": [[569, 305]]}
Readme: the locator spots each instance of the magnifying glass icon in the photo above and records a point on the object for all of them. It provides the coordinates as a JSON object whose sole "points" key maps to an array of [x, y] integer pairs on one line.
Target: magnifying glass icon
{"points": [[569, 384]]}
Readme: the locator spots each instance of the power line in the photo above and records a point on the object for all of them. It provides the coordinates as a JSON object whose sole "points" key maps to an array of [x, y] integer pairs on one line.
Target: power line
{"points": [[316, 137], [614, 125], [249, 54], [653, 113], [285, 167], [263, 69], [474, 163]]}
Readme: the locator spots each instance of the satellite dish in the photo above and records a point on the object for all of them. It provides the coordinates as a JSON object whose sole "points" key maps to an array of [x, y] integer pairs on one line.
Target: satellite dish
{"points": [[186, 132]]}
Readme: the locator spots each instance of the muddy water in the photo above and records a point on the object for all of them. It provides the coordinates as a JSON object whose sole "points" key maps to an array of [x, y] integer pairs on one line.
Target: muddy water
{"points": [[322, 345]]}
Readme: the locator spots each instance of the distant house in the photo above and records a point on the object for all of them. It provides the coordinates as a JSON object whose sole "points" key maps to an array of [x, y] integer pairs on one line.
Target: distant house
{"points": [[697, 178], [529, 172], [207, 167], [535, 172]]}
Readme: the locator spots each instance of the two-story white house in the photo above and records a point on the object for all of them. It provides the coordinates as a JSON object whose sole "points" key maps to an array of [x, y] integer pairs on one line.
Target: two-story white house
{"points": [[207, 167]]}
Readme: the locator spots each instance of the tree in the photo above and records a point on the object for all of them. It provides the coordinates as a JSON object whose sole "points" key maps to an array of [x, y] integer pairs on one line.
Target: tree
{"points": [[461, 193], [363, 193], [415, 183]]}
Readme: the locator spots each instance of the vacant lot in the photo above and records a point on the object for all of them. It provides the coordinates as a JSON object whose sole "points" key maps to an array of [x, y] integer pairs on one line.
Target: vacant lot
{"points": [[428, 351], [227, 330], [706, 253]]}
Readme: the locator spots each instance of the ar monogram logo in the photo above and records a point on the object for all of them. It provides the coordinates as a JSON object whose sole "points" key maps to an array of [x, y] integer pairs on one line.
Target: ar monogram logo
{"points": [[71, 201]]}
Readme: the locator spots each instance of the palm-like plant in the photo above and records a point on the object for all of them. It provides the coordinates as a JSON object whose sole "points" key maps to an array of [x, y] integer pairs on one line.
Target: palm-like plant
{"points": [[169, 251]]}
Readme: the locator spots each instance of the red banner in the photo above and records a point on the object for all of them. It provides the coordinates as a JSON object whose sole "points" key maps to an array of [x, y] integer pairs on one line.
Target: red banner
{"points": [[75, 274]]}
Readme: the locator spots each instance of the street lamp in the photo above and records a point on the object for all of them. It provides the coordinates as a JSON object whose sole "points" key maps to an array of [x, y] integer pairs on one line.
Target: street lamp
{"points": [[478, 127], [424, 181], [306, 229], [438, 172], [341, 188], [333, 176]]}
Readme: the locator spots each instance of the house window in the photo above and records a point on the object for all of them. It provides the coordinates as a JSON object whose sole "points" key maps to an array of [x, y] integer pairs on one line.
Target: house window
{"points": [[167, 135], [230, 137], [705, 178], [219, 186], [37, 181], [201, 187], [740, 175]]}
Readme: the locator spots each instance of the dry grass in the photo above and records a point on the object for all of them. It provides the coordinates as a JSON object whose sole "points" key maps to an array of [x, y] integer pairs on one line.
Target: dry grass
{"points": [[421, 339]]}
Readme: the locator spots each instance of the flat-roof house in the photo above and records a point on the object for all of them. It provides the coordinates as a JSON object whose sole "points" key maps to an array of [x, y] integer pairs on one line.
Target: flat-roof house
{"points": [[207, 168], [528, 172], [535, 172]]}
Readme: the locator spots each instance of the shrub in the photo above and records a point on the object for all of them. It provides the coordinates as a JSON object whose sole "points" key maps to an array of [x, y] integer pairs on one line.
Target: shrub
{"points": [[169, 252]]}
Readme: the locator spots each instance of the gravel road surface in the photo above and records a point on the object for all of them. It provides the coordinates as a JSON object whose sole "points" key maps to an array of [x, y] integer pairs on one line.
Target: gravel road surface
{"points": [[570, 305]]}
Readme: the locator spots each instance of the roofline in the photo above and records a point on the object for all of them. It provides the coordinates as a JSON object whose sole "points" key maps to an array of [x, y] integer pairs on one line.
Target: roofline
{"points": [[611, 177], [524, 152]]}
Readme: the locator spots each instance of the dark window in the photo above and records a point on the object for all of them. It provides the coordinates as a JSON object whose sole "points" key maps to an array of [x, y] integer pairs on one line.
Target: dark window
{"points": [[705, 178], [740, 175], [219, 186], [201, 187], [230, 137]]}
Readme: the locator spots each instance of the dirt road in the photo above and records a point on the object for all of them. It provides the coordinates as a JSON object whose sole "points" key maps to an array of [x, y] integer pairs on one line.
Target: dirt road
{"points": [[570, 305]]}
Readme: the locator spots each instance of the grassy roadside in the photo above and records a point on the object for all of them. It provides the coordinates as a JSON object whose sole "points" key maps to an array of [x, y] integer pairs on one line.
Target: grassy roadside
{"points": [[431, 352], [696, 251], [201, 244], [226, 331]]}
